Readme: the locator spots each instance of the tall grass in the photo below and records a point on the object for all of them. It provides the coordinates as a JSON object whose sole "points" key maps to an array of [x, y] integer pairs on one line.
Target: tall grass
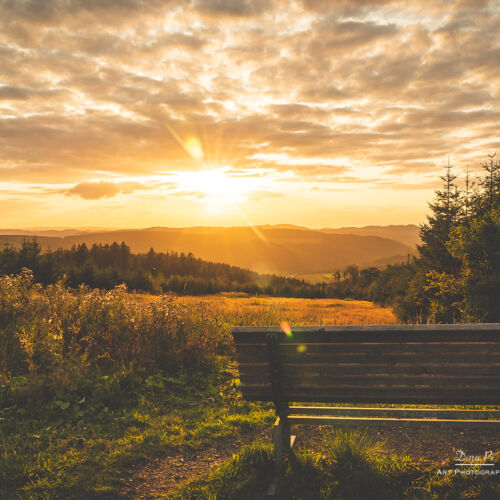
{"points": [[267, 311], [44, 330], [354, 457]]}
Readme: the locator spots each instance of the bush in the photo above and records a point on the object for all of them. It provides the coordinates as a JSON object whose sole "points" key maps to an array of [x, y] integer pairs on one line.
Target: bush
{"points": [[43, 330]]}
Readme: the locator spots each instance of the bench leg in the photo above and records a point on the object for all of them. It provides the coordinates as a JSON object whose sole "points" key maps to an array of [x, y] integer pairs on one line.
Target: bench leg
{"points": [[283, 443], [281, 439]]}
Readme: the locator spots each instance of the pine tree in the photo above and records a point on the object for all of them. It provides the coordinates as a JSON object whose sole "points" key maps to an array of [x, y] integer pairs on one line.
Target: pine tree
{"points": [[491, 183], [446, 212], [467, 197]]}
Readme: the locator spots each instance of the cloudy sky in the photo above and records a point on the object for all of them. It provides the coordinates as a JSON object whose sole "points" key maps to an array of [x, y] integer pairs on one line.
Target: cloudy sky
{"points": [[134, 113]]}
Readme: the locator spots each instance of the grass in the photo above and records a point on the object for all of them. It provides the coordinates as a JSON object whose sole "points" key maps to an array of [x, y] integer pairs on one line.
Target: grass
{"points": [[79, 445], [262, 311]]}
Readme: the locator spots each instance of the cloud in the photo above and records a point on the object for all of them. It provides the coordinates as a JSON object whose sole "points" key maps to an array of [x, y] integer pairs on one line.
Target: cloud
{"points": [[102, 189], [261, 194], [44, 11], [97, 90], [232, 7], [330, 35]]}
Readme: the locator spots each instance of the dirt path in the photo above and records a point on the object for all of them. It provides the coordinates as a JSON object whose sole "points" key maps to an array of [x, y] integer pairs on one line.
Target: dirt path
{"points": [[161, 476]]}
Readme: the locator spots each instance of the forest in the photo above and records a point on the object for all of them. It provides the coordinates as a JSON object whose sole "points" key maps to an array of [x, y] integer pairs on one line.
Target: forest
{"points": [[107, 266]]}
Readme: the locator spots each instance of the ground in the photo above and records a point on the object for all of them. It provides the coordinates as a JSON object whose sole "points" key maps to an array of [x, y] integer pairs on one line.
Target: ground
{"points": [[161, 476]]}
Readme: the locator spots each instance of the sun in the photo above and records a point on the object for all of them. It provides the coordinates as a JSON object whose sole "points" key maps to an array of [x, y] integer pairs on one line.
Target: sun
{"points": [[217, 183], [216, 189]]}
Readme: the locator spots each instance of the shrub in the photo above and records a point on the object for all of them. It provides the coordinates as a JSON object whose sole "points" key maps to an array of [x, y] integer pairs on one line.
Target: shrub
{"points": [[46, 329]]}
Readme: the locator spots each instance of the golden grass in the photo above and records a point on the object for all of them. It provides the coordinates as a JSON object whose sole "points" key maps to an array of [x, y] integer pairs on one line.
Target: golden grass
{"points": [[265, 311]]}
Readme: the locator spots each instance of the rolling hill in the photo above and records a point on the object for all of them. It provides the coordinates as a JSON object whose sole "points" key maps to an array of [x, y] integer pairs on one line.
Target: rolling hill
{"points": [[274, 249], [406, 234]]}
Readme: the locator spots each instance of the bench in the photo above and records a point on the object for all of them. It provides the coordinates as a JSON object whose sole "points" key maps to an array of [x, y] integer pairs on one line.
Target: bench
{"points": [[386, 364]]}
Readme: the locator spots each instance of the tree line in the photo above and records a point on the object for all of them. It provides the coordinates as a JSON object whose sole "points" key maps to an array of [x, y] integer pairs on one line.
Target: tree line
{"points": [[455, 278], [106, 266]]}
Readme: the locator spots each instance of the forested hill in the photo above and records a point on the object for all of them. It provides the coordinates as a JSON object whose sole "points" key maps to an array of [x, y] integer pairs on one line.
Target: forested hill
{"points": [[265, 249], [106, 266]]}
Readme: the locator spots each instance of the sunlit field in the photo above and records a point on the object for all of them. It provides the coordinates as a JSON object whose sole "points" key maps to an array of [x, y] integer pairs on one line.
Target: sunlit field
{"points": [[268, 311]]}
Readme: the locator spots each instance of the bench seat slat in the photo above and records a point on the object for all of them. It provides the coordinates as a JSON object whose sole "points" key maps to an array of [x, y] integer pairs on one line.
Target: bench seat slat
{"points": [[467, 396], [244, 356], [294, 392], [388, 421], [466, 327], [320, 380], [455, 414], [332, 370], [379, 333], [377, 347]]}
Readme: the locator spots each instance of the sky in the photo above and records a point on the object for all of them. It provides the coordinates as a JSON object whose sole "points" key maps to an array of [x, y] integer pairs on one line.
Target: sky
{"points": [[139, 113]]}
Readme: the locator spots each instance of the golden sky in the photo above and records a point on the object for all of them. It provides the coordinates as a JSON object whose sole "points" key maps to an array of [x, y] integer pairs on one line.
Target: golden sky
{"points": [[136, 113]]}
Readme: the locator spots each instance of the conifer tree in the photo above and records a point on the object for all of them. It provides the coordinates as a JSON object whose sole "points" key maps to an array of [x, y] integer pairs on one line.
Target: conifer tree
{"points": [[446, 212], [490, 198]]}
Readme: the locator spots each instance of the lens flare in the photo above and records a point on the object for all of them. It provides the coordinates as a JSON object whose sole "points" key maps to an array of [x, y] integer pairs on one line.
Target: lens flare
{"points": [[301, 348], [194, 148], [285, 328]]}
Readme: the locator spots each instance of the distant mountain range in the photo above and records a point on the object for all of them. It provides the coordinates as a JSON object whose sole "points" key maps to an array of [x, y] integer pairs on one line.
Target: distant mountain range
{"points": [[281, 249], [406, 234]]}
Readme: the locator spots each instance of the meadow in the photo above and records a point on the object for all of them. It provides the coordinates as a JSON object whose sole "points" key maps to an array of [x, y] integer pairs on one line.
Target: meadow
{"points": [[94, 384], [242, 310]]}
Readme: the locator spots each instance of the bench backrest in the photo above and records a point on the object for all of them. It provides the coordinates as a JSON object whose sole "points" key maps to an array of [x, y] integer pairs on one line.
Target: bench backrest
{"points": [[421, 364]]}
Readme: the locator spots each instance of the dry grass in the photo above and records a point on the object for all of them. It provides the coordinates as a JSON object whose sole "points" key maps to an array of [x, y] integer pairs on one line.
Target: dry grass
{"points": [[267, 311]]}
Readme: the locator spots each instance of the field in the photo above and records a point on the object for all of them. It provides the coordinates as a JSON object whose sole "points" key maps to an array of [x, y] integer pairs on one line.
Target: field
{"points": [[98, 387], [242, 310]]}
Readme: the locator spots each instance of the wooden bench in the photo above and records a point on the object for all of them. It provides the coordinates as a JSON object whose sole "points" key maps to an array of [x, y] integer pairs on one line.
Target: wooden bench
{"points": [[389, 364]]}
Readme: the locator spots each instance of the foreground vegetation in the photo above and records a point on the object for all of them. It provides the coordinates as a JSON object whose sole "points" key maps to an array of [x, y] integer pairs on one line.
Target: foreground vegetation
{"points": [[79, 440], [56, 329], [93, 382]]}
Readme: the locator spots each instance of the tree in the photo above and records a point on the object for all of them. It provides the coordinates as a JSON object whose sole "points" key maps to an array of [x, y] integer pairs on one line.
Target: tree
{"points": [[490, 199], [461, 251], [478, 248], [29, 256], [446, 212], [8, 260]]}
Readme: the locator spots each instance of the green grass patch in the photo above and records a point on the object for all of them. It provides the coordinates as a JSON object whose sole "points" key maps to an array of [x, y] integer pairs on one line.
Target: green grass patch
{"points": [[76, 442]]}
